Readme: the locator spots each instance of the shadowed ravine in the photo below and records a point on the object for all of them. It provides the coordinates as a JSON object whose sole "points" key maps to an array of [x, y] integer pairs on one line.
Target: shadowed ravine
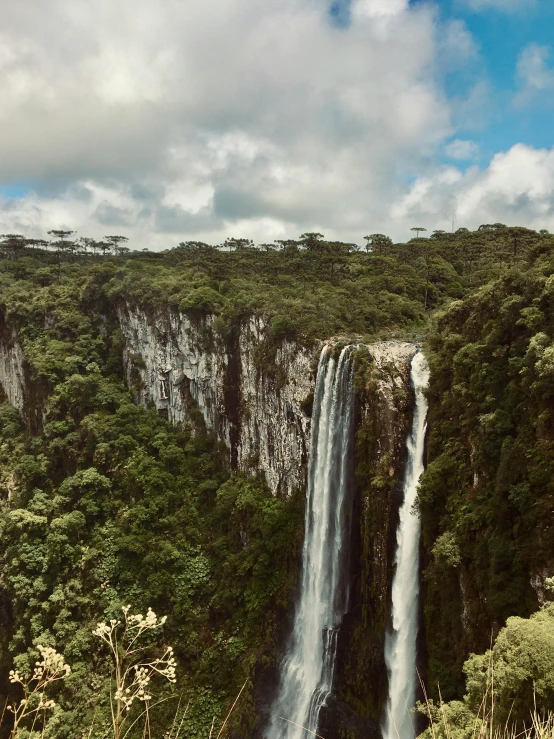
{"points": [[307, 669]]}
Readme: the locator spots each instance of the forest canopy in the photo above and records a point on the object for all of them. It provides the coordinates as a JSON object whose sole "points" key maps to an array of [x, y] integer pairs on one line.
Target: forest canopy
{"points": [[103, 503]]}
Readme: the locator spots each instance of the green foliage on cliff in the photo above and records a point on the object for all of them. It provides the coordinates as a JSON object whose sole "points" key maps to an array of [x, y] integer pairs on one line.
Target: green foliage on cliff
{"points": [[104, 504], [310, 287], [505, 686], [487, 495]]}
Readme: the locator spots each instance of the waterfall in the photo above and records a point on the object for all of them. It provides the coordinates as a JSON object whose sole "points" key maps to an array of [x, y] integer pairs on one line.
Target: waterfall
{"points": [[307, 671], [400, 644]]}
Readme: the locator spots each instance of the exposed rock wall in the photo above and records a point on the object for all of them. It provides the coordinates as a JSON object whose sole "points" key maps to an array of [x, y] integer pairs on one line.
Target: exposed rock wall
{"points": [[12, 378], [250, 392]]}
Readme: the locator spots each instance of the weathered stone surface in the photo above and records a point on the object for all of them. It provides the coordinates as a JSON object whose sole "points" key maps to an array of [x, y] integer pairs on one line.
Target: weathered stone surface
{"points": [[12, 378], [252, 401]]}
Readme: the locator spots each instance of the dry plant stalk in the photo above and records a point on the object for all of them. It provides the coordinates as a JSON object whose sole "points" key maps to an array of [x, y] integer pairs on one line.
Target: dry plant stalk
{"points": [[133, 668], [48, 670]]}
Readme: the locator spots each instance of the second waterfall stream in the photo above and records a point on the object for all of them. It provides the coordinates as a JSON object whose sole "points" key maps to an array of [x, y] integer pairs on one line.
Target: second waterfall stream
{"points": [[306, 676], [400, 643]]}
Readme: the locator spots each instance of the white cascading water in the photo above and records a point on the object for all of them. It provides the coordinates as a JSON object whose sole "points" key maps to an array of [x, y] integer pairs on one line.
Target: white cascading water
{"points": [[400, 644], [306, 676]]}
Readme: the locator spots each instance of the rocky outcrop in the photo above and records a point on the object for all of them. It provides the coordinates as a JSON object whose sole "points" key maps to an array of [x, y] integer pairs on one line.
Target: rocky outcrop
{"points": [[12, 378], [253, 393]]}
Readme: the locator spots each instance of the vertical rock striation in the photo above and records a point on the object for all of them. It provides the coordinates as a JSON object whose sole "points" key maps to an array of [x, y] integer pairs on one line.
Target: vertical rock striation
{"points": [[12, 377], [251, 393]]}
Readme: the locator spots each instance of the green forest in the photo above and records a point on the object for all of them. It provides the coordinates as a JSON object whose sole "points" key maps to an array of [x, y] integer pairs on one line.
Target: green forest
{"points": [[107, 510]]}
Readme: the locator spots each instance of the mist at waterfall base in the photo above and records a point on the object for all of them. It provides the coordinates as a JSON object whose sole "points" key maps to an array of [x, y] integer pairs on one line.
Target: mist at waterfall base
{"points": [[307, 670], [400, 643]]}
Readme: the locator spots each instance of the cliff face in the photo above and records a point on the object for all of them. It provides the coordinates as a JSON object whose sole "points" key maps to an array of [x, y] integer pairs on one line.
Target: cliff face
{"points": [[251, 393], [12, 378], [256, 397]]}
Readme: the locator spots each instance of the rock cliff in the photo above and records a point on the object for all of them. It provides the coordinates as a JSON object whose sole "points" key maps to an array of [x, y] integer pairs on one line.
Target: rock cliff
{"points": [[252, 393], [12, 378]]}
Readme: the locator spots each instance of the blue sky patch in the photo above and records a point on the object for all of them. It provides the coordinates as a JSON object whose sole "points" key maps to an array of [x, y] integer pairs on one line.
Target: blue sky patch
{"points": [[508, 109], [339, 12], [12, 192]]}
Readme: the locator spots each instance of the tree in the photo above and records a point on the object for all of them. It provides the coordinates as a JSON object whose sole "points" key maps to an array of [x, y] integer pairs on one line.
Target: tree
{"points": [[61, 247], [518, 238], [492, 227], [115, 241], [104, 246], [238, 244], [61, 243], [12, 243], [312, 241], [334, 255], [418, 230], [505, 686], [87, 243], [36, 243], [60, 234], [289, 244], [378, 243]]}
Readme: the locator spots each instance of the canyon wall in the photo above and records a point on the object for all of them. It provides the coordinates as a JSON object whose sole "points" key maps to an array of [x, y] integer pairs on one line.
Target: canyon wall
{"points": [[12, 377], [253, 393]]}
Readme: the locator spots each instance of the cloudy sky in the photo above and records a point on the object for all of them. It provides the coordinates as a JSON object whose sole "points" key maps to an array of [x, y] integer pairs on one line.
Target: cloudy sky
{"points": [[169, 120]]}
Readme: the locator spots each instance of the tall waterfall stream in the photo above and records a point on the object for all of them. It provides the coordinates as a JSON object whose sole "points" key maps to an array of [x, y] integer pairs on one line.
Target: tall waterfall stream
{"points": [[400, 644], [307, 670]]}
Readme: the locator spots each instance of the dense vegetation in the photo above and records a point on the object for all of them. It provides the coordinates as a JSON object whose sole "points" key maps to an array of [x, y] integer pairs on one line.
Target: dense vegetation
{"points": [[103, 503], [510, 686], [488, 492]]}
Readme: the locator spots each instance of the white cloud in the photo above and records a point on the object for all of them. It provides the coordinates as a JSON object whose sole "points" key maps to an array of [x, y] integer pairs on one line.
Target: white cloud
{"points": [[177, 122], [457, 45], [379, 8], [460, 149], [533, 73], [517, 188], [259, 118]]}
